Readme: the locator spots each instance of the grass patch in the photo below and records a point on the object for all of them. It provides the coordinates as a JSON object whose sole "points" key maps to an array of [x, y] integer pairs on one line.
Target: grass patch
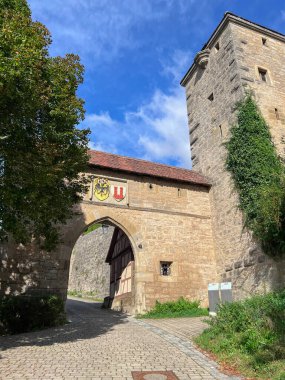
{"points": [[91, 228], [175, 309], [85, 295], [250, 336]]}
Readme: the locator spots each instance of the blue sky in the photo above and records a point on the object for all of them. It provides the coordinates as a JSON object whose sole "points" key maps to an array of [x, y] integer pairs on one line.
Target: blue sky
{"points": [[135, 52]]}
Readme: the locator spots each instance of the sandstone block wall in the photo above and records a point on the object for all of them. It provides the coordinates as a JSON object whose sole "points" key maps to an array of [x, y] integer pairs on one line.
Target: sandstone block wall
{"points": [[167, 221], [255, 53], [88, 270], [231, 70]]}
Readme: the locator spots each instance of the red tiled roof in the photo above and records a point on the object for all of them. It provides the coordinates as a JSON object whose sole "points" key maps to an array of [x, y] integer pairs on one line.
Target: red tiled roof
{"points": [[142, 167]]}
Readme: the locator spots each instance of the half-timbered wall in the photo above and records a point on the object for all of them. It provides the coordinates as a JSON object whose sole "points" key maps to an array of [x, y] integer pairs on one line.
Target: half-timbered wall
{"points": [[121, 260]]}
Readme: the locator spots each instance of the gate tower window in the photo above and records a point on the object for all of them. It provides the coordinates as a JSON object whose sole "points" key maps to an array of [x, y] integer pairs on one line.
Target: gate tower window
{"points": [[217, 47], [165, 268], [262, 74], [211, 97]]}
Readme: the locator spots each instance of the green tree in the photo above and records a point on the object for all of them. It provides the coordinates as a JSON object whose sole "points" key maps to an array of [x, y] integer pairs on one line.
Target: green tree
{"points": [[259, 178], [42, 152]]}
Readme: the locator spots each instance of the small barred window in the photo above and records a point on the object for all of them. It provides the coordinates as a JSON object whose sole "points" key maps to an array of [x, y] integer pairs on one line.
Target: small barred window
{"points": [[165, 268]]}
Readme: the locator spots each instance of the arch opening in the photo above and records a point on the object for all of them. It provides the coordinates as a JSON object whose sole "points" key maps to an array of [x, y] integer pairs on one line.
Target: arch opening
{"points": [[102, 266]]}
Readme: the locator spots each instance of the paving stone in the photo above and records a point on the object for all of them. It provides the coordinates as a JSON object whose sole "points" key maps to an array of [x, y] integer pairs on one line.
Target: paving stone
{"points": [[105, 345]]}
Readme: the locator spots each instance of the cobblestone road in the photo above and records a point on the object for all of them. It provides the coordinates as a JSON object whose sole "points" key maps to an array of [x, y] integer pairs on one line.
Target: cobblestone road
{"points": [[100, 344]]}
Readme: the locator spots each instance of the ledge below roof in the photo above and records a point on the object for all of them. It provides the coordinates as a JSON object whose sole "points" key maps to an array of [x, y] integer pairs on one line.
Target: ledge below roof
{"points": [[231, 17], [136, 166]]}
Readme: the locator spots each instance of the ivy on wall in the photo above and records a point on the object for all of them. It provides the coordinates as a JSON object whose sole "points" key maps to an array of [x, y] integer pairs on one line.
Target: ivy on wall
{"points": [[259, 177]]}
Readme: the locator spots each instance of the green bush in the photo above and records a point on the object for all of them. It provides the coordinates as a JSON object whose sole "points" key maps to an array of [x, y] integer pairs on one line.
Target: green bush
{"points": [[21, 314], [259, 177], [180, 308], [249, 332]]}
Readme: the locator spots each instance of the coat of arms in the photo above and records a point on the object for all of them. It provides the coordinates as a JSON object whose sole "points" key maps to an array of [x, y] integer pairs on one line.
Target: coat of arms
{"points": [[119, 192], [101, 189]]}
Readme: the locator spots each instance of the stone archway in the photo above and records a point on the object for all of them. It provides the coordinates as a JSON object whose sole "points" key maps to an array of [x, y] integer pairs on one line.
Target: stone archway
{"points": [[32, 271], [165, 213], [93, 215], [114, 249]]}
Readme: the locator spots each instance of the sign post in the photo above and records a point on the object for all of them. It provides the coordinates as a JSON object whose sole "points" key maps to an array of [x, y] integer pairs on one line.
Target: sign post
{"points": [[214, 297], [218, 294], [226, 292]]}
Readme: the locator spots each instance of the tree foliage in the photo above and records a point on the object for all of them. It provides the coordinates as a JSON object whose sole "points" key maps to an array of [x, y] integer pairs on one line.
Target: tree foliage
{"points": [[20, 314], [258, 175], [42, 151]]}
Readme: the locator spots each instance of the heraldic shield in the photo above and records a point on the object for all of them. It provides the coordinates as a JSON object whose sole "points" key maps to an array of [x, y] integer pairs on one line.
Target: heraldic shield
{"points": [[101, 189], [118, 192]]}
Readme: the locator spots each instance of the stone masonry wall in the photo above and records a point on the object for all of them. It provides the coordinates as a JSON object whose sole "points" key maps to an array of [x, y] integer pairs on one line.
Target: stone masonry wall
{"points": [[88, 270], [270, 95], [167, 221], [239, 258]]}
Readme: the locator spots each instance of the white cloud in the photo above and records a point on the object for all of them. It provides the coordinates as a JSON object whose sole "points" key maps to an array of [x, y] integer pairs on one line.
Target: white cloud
{"points": [[103, 148], [99, 30], [166, 136], [177, 65], [103, 119], [104, 128], [156, 131]]}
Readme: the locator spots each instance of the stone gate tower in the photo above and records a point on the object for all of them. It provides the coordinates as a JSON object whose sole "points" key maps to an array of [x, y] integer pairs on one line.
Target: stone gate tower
{"points": [[239, 55]]}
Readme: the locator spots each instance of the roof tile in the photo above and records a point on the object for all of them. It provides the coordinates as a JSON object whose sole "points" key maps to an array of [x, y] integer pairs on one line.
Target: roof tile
{"points": [[142, 167]]}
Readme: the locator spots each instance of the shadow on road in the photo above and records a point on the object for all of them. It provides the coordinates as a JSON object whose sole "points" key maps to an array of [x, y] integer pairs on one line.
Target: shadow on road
{"points": [[88, 321]]}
